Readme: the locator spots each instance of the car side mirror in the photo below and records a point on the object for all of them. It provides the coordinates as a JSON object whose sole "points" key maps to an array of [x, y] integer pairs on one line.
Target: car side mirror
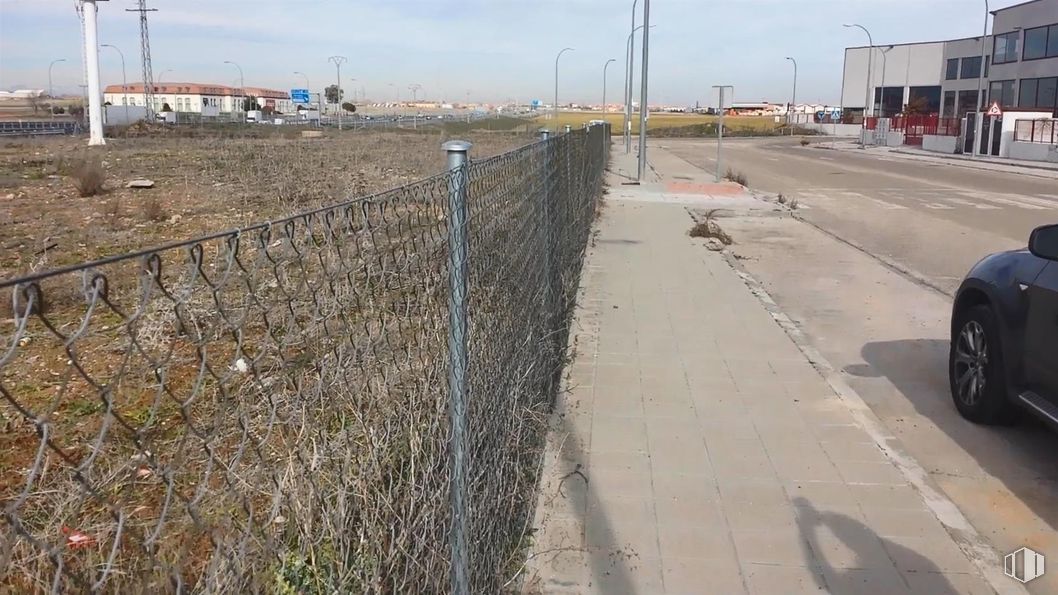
{"points": [[1044, 242]]}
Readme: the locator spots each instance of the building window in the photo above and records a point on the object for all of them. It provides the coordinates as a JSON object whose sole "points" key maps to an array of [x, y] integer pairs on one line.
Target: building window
{"points": [[926, 99], [967, 102], [1041, 42], [949, 104], [988, 61], [971, 68], [1001, 92], [952, 71], [1006, 48], [1038, 93]]}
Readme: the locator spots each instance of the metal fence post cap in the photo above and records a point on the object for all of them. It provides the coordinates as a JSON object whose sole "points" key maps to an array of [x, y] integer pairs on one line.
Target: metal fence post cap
{"points": [[460, 146]]}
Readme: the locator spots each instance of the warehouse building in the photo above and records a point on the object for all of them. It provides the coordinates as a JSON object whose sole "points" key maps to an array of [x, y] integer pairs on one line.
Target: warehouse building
{"points": [[1017, 66]]}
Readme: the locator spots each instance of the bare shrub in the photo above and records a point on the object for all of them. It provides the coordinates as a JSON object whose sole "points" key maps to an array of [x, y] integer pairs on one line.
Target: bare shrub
{"points": [[736, 177], [711, 229], [153, 210], [88, 176], [804, 142]]}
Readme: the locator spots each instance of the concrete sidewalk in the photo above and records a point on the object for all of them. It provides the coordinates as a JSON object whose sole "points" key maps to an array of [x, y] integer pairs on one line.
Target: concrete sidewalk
{"points": [[695, 449]]}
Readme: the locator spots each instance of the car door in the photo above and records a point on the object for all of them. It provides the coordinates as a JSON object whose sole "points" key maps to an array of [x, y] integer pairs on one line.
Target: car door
{"points": [[1041, 334]]}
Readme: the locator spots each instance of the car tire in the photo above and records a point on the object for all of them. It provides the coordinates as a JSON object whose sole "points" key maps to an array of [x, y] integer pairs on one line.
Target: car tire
{"points": [[976, 371]]}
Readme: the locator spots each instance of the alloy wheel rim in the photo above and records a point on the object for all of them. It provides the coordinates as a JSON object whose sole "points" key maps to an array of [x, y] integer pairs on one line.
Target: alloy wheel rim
{"points": [[971, 361]]}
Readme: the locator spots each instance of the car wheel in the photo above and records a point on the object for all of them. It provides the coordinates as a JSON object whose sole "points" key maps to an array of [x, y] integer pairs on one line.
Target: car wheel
{"points": [[975, 368]]}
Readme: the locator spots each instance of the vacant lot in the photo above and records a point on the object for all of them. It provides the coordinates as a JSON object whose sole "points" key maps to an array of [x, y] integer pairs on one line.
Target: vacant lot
{"points": [[616, 120], [207, 183]]}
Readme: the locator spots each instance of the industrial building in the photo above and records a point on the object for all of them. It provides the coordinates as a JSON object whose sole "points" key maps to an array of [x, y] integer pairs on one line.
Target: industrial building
{"points": [[1019, 59], [199, 98]]}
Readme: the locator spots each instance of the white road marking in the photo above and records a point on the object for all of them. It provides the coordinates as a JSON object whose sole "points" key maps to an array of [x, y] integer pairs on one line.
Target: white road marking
{"points": [[881, 203], [826, 158], [1013, 200], [970, 203], [937, 206]]}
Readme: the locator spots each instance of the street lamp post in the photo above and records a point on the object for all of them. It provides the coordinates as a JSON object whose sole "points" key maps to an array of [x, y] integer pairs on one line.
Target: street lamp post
{"points": [[978, 120], [124, 79], [720, 127], [242, 85], [881, 94], [643, 103], [629, 67], [338, 61], [51, 92], [605, 66], [867, 95], [793, 98], [554, 109]]}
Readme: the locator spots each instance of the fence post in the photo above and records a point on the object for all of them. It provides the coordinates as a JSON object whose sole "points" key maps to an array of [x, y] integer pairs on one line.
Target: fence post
{"points": [[458, 182], [548, 228]]}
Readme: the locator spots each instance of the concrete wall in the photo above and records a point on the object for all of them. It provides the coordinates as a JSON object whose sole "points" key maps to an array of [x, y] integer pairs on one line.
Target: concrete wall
{"points": [[1010, 120], [116, 115], [1025, 16], [1033, 151], [940, 144], [835, 129]]}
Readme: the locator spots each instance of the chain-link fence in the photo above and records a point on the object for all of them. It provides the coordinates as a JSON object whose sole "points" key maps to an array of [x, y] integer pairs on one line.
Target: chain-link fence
{"points": [[268, 409]]}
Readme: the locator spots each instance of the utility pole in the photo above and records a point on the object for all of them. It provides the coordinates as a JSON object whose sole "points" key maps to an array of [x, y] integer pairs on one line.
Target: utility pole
{"points": [[643, 103], [145, 58], [720, 128], [793, 99], [89, 11], [338, 61], [978, 120], [242, 88]]}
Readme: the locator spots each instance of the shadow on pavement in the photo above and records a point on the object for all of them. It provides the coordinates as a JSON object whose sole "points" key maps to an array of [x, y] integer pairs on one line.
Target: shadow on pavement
{"points": [[1021, 456], [864, 543], [608, 567]]}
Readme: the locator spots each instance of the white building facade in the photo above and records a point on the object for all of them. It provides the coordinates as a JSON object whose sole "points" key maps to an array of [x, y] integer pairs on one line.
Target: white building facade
{"points": [[199, 98]]}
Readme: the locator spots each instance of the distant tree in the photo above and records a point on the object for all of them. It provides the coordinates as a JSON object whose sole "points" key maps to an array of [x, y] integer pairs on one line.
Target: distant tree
{"points": [[249, 103], [166, 108], [57, 109], [77, 111], [918, 105], [106, 103], [301, 108], [268, 110], [333, 94], [349, 107], [36, 103]]}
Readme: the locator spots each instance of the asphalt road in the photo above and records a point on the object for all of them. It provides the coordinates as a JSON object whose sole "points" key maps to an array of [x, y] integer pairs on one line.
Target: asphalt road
{"points": [[936, 220], [865, 271]]}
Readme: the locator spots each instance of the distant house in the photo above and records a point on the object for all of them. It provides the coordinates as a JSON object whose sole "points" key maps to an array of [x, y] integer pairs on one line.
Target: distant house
{"points": [[763, 108], [201, 98]]}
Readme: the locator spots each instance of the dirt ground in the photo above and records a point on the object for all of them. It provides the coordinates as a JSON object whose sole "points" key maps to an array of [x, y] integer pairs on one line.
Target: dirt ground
{"points": [[203, 183]]}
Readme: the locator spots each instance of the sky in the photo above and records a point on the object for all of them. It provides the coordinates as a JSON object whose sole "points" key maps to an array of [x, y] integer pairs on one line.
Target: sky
{"points": [[487, 50]]}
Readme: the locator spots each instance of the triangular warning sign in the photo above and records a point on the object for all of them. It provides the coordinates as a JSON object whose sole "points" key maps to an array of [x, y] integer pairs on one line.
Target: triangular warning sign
{"points": [[995, 110]]}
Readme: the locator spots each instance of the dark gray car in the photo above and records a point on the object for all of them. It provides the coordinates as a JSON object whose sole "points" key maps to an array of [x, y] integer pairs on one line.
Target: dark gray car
{"points": [[1004, 334]]}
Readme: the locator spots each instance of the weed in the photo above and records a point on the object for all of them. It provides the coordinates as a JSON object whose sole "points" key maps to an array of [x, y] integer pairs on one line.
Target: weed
{"points": [[736, 177], [153, 210], [782, 199], [804, 142], [112, 208], [88, 176], [711, 229]]}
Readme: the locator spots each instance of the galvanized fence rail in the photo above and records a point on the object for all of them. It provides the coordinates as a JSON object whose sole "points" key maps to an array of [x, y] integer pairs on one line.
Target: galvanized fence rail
{"points": [[300, 406]]}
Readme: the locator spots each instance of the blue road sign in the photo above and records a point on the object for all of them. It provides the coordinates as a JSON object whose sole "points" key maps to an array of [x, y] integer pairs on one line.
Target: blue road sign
{"points": [[299, 95]]}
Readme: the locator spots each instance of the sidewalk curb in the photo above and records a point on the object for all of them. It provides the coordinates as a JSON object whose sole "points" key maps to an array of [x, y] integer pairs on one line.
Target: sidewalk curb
{"points": [[971, 163], [1033, 171], [979, 552]]}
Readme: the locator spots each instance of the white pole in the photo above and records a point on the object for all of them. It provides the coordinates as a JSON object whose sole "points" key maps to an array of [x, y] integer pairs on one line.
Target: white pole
{"points": [[980, 83], [95, 106]]}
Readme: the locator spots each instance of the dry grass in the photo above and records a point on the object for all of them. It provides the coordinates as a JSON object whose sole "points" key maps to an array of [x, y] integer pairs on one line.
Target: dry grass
{"points": [[202, 184], [709, 228], [654, 122], [736, 176], [88, 176]]}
